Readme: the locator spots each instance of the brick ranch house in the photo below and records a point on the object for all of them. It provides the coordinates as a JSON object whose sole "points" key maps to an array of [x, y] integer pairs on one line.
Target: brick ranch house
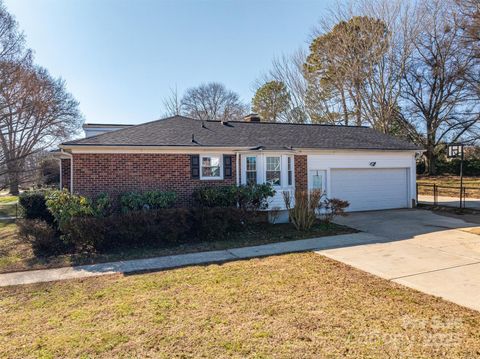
{"points": [[369, 169]]}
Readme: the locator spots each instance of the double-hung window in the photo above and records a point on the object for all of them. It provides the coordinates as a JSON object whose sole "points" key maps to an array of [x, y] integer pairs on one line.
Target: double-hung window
{"points": [[289, 171], [273, 170], [251, 170], [211, 167]]}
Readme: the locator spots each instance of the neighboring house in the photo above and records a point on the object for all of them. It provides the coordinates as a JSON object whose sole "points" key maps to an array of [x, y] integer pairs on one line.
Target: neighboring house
{"points": [[93, 129], [369, 169]]}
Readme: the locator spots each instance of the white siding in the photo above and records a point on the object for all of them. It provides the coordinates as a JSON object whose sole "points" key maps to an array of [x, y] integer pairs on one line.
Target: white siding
{"points": [[351, 160]]}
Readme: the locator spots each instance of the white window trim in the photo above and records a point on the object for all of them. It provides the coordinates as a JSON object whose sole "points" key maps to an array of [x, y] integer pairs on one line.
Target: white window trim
{"points": [[204, 178], [256, 168], [282, 180], [292, 164], [262, 168]]}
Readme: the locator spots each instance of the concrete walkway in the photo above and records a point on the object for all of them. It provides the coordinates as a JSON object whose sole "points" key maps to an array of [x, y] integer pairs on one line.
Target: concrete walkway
{"points": [[160, 263], [434, 254]]}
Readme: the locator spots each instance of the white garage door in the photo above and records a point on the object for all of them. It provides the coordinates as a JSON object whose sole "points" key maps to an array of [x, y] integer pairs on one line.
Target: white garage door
{"points": [[371, 189]]}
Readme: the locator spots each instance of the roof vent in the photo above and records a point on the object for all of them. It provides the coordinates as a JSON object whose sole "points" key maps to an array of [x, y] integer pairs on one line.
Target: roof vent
{"points": [[253, 117]]}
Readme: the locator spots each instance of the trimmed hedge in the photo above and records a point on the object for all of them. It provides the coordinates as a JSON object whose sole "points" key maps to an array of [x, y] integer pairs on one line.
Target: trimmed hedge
{"points": [[162, 227], [252, 198], [80, 224], [44, 238], [33, 206]]}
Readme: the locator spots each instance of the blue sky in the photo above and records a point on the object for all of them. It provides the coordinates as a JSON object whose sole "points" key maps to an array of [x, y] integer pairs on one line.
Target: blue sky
{"points": [[120, 58]]}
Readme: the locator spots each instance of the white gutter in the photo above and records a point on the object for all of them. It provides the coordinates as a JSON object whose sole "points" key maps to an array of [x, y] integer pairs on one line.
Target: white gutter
{"points": [[69, 155], [237, 166], [60, 162]]}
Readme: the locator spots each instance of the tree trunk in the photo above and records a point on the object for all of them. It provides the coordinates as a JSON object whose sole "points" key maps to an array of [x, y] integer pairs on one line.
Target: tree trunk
{"points": [[13, 184], [431, 159], [13, 174], [430, 147]]}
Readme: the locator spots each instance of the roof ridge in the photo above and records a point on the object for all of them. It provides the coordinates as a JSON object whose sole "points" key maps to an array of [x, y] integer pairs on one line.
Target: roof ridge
{"points": [[293, 124]]}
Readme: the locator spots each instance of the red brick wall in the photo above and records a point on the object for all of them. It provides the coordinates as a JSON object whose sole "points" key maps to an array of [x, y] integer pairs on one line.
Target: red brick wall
{"points": [[301, 172], [65, 173], [122, 172]]}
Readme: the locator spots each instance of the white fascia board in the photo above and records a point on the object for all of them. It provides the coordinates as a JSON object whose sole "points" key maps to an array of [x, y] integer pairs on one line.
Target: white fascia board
{"points": [[147, 149], [314, 151]]}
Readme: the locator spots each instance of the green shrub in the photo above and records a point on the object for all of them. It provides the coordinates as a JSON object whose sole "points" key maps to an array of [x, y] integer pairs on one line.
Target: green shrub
{"points": [[249, 198], [136, 201], [65, 206], [103, 205], [44, 238], [254, 198], [33, 206], [221, 196]]}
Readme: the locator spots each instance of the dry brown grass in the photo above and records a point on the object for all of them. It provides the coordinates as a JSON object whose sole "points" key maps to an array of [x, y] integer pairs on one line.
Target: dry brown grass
{"points": [[472, 184], [290, 306]]}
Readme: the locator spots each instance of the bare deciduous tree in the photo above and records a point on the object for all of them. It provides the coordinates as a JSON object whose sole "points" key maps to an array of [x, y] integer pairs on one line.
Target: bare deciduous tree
{"points": [[36, 112], [469, 21], [172, 104], [439, 102], [212, 101]]}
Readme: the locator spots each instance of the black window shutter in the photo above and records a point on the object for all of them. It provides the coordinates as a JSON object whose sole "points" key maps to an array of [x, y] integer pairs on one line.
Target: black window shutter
{"points": [[195, 166], [227, 166]]}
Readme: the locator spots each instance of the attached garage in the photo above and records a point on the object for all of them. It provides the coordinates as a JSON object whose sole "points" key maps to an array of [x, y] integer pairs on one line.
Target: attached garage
{"points": [[371, 188], [369, 180]]}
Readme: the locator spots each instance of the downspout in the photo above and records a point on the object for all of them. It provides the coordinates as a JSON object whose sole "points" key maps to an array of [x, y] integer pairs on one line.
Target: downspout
{"points": [[237, 168], [71, 169], [61, 177]]}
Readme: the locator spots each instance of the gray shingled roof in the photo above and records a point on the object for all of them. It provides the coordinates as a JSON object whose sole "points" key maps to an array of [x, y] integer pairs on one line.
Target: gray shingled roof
{"points": [[178, 131]]}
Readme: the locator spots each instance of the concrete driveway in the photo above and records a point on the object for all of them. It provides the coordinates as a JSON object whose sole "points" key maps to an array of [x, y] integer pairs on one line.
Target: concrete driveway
{"points": [[431, 253]]}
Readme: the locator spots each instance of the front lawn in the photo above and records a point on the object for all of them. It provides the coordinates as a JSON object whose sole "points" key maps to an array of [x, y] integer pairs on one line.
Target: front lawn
{"points": [[289, 306], [17, 254], [8, 199]]}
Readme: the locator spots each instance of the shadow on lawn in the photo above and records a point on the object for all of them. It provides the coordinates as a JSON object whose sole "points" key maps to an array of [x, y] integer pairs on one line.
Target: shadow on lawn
{"points": [[375, 227]]}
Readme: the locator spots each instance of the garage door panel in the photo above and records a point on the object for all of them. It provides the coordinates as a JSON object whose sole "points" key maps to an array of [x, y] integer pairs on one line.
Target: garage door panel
{"points": [[370, 189]]}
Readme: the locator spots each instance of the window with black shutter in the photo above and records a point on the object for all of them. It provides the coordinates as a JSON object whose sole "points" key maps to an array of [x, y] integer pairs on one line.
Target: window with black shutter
{"points": [[227, 166], [195, 166]]}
